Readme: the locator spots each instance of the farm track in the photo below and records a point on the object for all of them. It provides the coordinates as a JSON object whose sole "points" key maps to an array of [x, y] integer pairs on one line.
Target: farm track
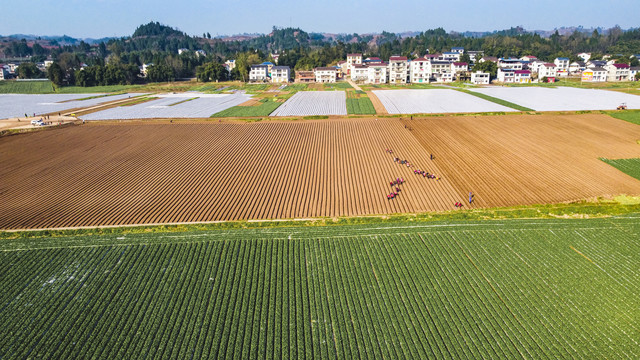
{"points": [[122, 174]]}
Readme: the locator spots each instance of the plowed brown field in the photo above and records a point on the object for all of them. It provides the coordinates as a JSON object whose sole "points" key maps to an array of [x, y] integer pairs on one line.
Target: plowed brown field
{"points": [[187, 172], [524, 159]]}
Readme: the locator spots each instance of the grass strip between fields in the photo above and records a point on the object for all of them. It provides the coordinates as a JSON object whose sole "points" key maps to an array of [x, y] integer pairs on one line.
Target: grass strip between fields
{"points": [[496, 100], [587, 209]]}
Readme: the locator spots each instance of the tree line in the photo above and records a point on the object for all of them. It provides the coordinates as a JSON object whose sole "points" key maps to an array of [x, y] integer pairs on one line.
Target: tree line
{"points": [[113, 61]]}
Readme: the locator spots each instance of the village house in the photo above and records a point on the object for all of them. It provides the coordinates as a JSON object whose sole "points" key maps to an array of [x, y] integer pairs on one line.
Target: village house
{"points": [[561, 63], [450, 56], [445, 77], [353, 59], [632, 72], [577, 67], [325, 74], [420, 70], [303, 76], [535, 65], [3, 73], [488, 58], [506, 76], [510, 63], [547, 70], [584, 56], [459, 67], [359, 73], [480, 78], [596, 63], [529, 58], [231, 64], [474, 55], [459, 50], [372, 60], [280, 74], [522, 76], [182, 51], [596, 74], [47, 63], [377, 73], [437, 68], [344, 66], [258, 73], [398, 70], [618, 72]]}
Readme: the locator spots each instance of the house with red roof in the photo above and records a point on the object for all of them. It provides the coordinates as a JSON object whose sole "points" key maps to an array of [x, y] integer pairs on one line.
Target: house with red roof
{"points": [[353, 59], [420, 69], [618, 72], [398, 69]]}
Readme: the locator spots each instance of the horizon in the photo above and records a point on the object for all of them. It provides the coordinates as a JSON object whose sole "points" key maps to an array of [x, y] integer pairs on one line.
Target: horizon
{"points": [[200, 16]]}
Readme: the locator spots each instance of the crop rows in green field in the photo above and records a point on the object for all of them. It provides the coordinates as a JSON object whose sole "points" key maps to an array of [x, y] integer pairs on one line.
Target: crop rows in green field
{"points": [[359, 105], [630, 167], [26, 87], [509, 289], [266, 107]]}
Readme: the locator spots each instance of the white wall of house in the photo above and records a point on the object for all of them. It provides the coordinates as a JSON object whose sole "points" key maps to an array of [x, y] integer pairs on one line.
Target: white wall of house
{"points": [[398, 71], [325, 75], [617, 74], [377, 74], [258, 73], [280, 74], [561, 63], [547, 70], [480, 78], [420, 70], [359, 73], [594, 75]]}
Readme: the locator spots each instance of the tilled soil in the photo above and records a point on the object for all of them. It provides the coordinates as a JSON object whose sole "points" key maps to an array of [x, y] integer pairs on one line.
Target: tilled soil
{"points": [[189, 172]]}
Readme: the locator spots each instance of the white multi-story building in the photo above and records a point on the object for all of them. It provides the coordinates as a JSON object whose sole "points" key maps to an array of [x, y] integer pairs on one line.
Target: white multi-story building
{"points": [[562, 63], [440, 67], [522, 76], [377, 73], [459, 50], [509, 63], [535, 65], [547, 70], [325, 74], [398, 70], [258, 73], [446, 77], [459, 67], [359, 73], [480, 78], [618, 72], [596, 74], [3, 73], [506, 76], [280, 74], [420, 70], [577, 67], [450, 56], [353, 59], [632, 72]]}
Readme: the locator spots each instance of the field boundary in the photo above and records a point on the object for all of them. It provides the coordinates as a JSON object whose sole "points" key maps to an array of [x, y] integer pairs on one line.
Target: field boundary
{"points": [[495, 100], [601, 208]]}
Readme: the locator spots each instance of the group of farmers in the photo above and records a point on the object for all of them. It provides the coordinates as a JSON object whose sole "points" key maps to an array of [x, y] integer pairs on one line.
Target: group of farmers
{"points": [[426, 174]]}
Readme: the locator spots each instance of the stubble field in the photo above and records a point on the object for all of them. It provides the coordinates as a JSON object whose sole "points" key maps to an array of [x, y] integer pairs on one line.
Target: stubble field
{"points": [[189, 172]]}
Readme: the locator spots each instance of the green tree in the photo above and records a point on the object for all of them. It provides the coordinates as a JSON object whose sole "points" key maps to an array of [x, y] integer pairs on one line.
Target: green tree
{"points": [[465, 58], [160, 73], [28, 70], [212, 72], [55, 74]]}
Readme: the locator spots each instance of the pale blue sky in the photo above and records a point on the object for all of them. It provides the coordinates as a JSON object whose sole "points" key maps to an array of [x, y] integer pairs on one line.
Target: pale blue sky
{"points": [[100, 18]]}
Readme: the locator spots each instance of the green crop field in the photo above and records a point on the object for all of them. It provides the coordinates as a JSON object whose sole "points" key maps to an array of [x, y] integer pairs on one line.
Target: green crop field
{"points": [[26, 87], [632, 116], [493, 289], [628, 166], [358, 103], [266, 107]]}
